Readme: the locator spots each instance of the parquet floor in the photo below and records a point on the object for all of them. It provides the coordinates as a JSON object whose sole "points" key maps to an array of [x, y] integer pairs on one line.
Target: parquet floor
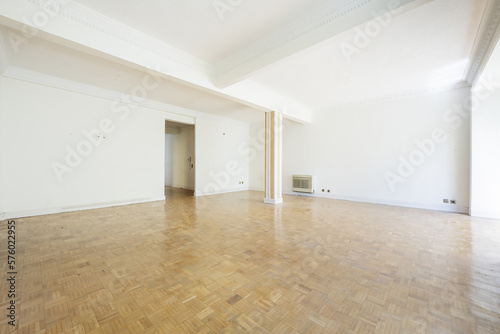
{"points": [[231, 264]]}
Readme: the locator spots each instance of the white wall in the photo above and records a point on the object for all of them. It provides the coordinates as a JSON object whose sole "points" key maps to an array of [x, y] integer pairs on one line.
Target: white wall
{"points": [[353, 150], [169, 159], [485, 132], [43, 124], [126, 165], [221, 163]]}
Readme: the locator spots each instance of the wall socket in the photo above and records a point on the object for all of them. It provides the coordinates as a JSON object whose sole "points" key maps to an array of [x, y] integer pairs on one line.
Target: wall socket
{"points": [[452, 201], [445, 200]]}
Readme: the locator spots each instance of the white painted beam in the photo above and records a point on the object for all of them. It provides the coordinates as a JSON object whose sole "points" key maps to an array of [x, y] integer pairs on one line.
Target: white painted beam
{"points": [[327, 21], [76, 26]]}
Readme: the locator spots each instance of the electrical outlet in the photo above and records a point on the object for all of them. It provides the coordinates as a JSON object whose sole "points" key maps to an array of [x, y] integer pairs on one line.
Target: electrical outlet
{"points": [[445, 200], [452, 201], [322, 190], [328, 190]]}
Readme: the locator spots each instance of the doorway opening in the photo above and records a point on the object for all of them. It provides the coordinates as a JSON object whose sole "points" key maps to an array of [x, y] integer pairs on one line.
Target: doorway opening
{"points": [[179, 159]]}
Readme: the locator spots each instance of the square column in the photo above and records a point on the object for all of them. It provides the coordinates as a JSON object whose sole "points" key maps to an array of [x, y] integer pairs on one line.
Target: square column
{"points": [[274, 127]]}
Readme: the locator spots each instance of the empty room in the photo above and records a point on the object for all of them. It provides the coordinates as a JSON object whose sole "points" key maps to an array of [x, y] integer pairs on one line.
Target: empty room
{"points": [[232, 166]]}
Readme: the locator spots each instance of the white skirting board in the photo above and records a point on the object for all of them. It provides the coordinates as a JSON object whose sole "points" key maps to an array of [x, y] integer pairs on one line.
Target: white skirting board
{"points": [[483, 214], [257, 189], [220, 192], [447, 208], [180, 187], [40, 212], [273, 201]]}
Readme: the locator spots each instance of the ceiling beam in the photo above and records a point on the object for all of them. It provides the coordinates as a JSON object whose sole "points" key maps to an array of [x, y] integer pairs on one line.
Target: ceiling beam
{"points": [[75, 26], [323, 23]]}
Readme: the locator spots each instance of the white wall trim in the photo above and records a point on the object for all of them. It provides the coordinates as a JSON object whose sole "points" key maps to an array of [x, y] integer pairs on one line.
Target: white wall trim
{"points": [[40, 212], [446, 208]]}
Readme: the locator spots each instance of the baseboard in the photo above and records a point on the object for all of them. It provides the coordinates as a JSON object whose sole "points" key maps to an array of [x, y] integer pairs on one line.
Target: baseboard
{"points": [[484, 214], [444, 207], [256, 189], [227, 191], [273, 201], [50, 211], [180, 187]]}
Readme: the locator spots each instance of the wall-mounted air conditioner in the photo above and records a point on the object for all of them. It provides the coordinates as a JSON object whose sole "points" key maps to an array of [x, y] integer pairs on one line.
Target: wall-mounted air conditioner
{"points": [[303, 183]]}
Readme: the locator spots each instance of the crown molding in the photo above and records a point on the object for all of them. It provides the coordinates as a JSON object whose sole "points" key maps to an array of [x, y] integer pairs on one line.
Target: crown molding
{"points": [[402, 95], [487, 37]]}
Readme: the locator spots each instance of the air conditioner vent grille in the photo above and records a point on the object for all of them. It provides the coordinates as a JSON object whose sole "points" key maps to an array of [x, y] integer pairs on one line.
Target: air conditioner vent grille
{"points": [[303, 183]]}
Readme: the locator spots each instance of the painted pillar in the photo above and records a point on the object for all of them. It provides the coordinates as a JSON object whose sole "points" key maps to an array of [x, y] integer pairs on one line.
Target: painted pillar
{"points": [[274, 127]]}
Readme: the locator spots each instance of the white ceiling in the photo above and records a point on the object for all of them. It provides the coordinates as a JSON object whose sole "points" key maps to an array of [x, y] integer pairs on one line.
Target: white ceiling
{"points": [[262, 55], [425, 48], [195, 25]]}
